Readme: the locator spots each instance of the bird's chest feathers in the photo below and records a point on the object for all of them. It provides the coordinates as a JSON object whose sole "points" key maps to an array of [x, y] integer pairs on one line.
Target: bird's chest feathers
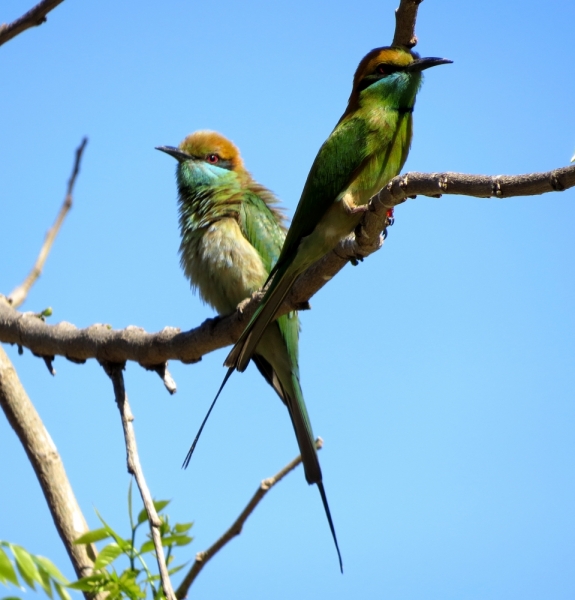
{"points": [[388, 143], [222, 264]]}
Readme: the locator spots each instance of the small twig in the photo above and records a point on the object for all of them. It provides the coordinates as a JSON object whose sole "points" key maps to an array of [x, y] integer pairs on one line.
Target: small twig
{"points": [[405, 16], [35, 16], [114, 372], [165, 376], [236, 528], [19, 294], [48, 467]]}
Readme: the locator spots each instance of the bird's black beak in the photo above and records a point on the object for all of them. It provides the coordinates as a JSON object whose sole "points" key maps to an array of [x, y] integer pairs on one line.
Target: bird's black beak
{"points": [[176, 153], [425, 63]]}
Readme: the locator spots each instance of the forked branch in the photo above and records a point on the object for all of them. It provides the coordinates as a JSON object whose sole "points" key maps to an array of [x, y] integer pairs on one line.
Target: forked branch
{"points": [[236, 528]]}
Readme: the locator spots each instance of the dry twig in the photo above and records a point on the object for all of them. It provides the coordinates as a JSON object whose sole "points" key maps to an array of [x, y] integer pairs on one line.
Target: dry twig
{"points": [[35, 16], [114, 371], [18, 295], [132, 343], [236, 528]]}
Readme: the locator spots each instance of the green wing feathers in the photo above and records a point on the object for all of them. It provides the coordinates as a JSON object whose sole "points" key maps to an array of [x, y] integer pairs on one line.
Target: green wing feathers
{"points": [[331, 173]]}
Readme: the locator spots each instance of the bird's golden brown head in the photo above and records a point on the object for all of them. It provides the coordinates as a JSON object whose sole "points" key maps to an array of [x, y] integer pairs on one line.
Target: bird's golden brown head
{"points": [[213, 148]]}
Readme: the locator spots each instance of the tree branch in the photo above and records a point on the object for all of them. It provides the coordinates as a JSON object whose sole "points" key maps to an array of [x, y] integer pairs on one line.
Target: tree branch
{"points": [[35, 16], [48, 468], [405, 16], [18, 295], [236, 528], [114, 372], [133, 343]]}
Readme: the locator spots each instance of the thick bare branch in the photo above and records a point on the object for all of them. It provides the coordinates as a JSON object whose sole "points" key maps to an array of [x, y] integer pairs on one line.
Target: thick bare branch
{"points": [[114, 371], [236, 528], [105, 344], [48, 467], [35, 16], [405, 16], [19, 294]]}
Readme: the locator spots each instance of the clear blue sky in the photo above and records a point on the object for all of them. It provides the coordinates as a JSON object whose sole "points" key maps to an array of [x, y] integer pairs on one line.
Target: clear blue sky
{"points": [[440, 372]]}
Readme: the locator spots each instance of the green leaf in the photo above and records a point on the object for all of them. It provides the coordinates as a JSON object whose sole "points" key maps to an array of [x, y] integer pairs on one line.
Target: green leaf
{"points": [[11, 598], [176, 540], [96, 535], [107, 555], [92, 583], [128, 585], [147, 547], [7, 572], [182, 527], [176, 569], [25, 565], [125, 545], [159, 506], [45, 582], [142, 516], [50, 568], [61, 591]]}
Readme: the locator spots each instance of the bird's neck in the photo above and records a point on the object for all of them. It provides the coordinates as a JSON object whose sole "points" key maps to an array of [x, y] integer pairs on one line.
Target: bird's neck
{"points": [[398, 96], [204, 199]]}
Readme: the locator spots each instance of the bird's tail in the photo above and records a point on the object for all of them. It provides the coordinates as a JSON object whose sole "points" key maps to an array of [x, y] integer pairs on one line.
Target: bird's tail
{"points": [[193, 446], [304, 435], [244, 348]]}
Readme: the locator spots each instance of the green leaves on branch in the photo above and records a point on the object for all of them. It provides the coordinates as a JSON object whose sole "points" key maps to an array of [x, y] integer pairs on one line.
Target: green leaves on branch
{"points": [[135, 581], [32, 570], [132, 580]]}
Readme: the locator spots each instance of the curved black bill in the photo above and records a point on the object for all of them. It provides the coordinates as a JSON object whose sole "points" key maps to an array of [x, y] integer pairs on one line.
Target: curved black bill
{"points": [[178, 154], [425, 63]]}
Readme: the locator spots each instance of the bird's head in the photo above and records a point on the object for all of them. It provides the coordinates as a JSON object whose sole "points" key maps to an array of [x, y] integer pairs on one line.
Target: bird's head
{"points": [[207, 149], [391, 72]]}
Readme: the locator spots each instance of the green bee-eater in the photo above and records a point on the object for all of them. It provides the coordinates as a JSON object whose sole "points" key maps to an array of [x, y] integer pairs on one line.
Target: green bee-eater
{"points": [[368, 147], [232, 234]]}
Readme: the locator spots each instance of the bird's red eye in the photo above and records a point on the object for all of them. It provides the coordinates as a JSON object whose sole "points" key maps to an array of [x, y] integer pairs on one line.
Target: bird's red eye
{"points": [[382, 69], [213, 158]]}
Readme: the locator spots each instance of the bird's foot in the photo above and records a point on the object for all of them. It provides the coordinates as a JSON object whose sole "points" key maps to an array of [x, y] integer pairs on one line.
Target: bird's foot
{"points": [[358, 210], [242, 305]]}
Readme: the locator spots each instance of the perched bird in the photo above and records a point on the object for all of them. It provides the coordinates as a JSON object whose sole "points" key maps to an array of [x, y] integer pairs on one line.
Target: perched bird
{"points": [[232, 234], [368, 147]]}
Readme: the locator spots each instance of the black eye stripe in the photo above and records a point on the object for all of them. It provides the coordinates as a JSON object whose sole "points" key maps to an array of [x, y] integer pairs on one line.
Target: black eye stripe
{"points": [[376, 75], [387, 69]]}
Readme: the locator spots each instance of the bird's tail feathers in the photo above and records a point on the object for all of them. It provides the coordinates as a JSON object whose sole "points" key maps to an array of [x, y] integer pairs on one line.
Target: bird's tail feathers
{"points": [[303, 432], [193, 446], [306, 443], [329, 519], [241, 353]]}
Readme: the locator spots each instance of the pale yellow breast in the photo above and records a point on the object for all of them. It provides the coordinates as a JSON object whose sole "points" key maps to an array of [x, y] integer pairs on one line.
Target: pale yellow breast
{"points": [[224, 266]]}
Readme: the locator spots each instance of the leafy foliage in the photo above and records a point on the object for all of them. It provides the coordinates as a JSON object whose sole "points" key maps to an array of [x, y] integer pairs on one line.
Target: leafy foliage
{"points": [[32, 569], [136, 581]]}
